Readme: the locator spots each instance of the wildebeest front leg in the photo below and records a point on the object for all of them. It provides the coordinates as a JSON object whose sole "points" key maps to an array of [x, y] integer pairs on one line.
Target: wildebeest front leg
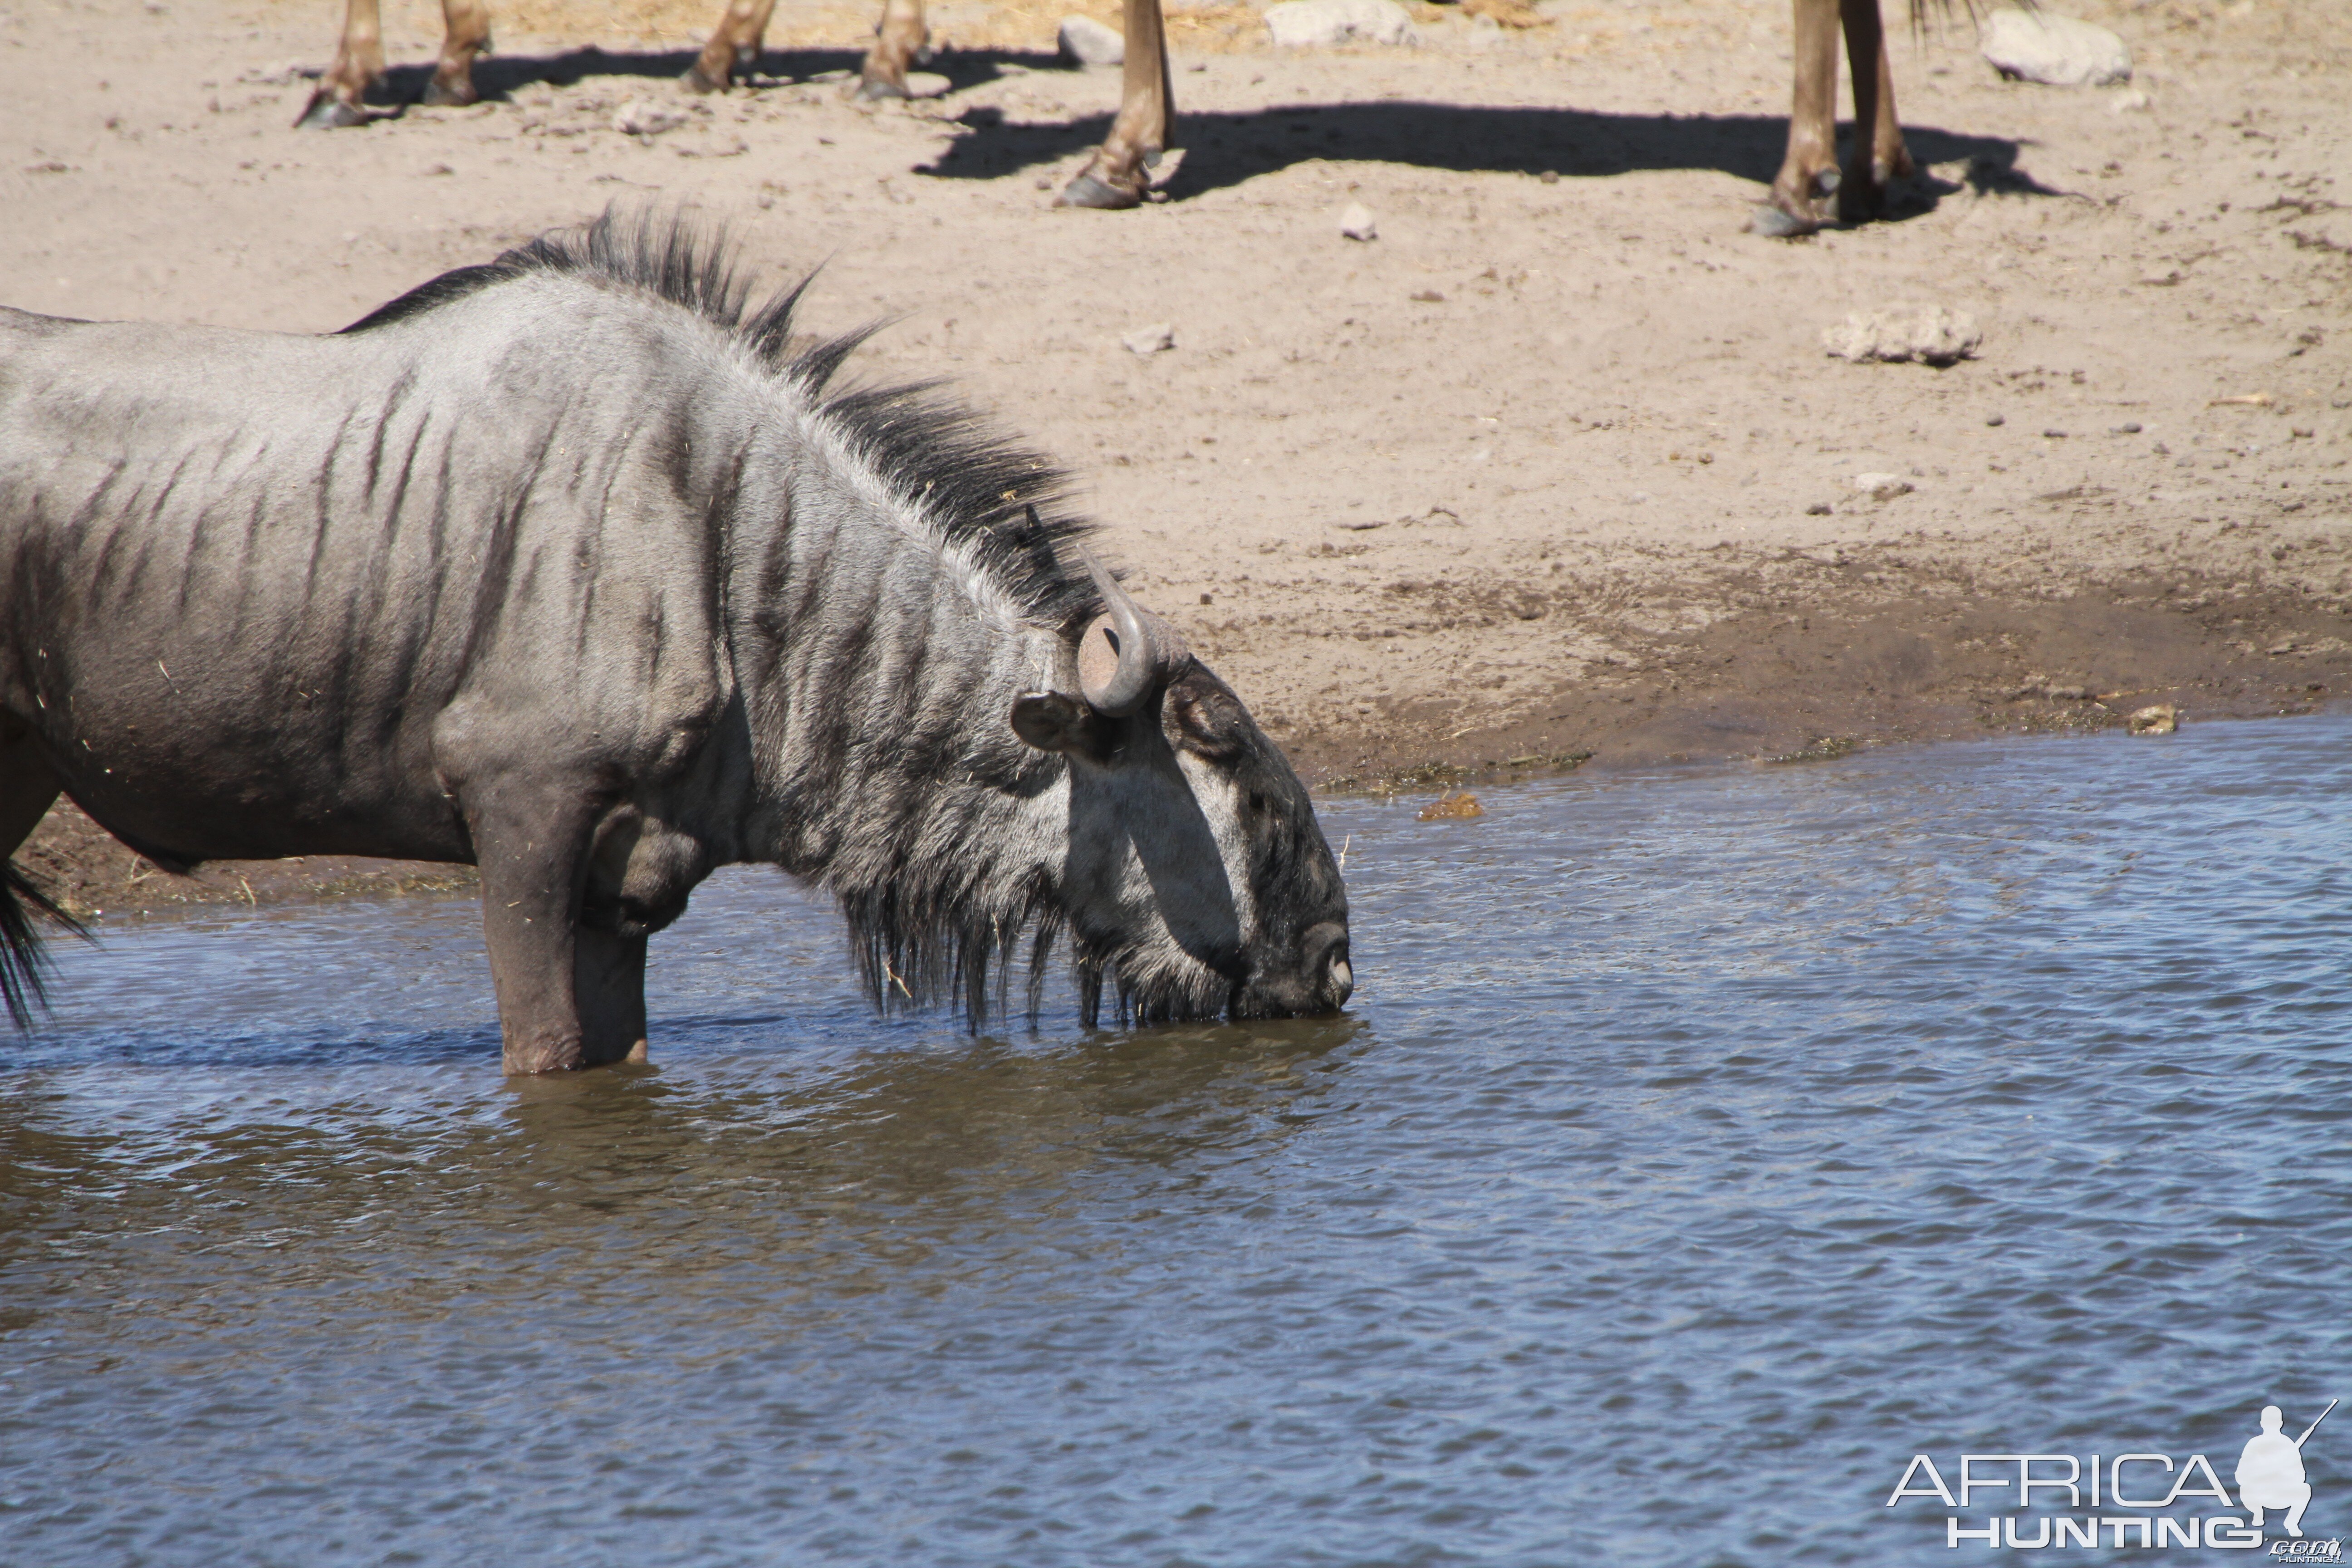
{"points": [[532, 851], [466, 34], [733, 50], [1116, 176], [358, 61]]}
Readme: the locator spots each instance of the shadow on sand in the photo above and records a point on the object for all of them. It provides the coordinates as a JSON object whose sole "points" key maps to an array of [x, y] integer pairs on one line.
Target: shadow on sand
{"points": [[1225, 148]]}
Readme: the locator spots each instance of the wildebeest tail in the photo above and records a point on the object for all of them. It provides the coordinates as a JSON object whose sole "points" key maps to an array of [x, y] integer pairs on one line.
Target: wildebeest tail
{"points": [[24, 964]]}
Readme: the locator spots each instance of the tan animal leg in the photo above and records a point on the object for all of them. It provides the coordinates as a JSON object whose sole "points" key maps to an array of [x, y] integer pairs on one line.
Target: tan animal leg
{"points": [[1115, 175], [1809, 172], [897, 40], [359, 62], [466, 34], [734, 46]]}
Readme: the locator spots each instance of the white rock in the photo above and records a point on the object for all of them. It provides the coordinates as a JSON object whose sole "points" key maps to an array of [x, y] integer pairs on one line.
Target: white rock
{"points": [[1929, 333], [1155, 339], [639, 117], [1357, 222], [1087, 42], [2041, 45], [1314, 24], [1882, 486], [2128, 103]]}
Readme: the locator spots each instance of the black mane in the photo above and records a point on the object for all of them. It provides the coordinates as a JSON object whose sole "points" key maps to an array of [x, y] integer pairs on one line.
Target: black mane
{"points": [[1000, 502]]}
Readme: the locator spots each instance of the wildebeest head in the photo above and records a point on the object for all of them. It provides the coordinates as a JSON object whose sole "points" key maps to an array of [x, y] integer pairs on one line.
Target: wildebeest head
{"points": [[1196, 873]]}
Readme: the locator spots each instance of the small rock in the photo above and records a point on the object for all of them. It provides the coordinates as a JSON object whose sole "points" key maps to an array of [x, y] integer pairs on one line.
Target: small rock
{"points": [[1087, 42], [926, 84], [1356, 222], [2283, 646], [1155, 339], [2057, 51], [2054, 435], [639, 117], [2067, 693], [2128, 102], [1996, 420], [1819, 508], [1427, 297], [1316, 24], [2156, 719], [2129, 427], [1882, 486], [1930, 335]]}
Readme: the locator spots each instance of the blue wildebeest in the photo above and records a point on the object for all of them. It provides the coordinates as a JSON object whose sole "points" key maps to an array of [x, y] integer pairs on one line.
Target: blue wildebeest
{"points": [[567, 566], [1119, 174]]}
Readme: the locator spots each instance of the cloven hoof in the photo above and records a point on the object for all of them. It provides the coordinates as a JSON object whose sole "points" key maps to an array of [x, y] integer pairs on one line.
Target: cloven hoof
{"points": [[1086, 190], [325, 111], [876, 89], [439, 96], [697, 82], [1772, 223]]}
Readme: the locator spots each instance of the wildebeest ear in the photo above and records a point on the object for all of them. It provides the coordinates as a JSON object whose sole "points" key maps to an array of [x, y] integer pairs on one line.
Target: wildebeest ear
{"points": [[1206, 719], [1049, 720]]}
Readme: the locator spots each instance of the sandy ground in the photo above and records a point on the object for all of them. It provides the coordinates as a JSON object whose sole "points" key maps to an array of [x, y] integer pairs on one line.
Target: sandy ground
{"points": [[1554, 468]]}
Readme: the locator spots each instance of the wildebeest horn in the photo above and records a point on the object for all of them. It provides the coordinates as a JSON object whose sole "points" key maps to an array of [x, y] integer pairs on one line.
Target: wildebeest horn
{"points": [[1145, 647]]}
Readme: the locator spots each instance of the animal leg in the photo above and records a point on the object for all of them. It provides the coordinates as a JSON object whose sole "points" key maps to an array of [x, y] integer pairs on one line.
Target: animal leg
{"points": [[899, 38], [532, 848], [733, 50], [467, 34], [1116, 176], [608, 981], [27, 786], [359, 62], [1810, 170], [1879, 155]]}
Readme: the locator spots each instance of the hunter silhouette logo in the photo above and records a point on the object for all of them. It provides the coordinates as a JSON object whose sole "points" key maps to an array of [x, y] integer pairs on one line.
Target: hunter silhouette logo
{"points": [[2270, 1470], [2144, 1499]]}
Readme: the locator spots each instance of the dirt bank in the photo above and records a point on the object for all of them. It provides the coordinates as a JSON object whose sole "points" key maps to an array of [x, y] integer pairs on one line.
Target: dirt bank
{"points": [[1556, 466]]}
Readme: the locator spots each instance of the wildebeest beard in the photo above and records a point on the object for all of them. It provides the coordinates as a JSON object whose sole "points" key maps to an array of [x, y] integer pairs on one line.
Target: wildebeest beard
{"points": [[576, 566]]}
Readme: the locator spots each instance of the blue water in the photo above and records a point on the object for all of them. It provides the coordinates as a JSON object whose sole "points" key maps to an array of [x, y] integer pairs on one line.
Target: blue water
{"points": [[1699, 1148]]}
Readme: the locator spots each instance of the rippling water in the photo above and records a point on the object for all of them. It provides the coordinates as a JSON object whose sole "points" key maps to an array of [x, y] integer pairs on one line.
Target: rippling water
{"points": [[1699, 1149]]}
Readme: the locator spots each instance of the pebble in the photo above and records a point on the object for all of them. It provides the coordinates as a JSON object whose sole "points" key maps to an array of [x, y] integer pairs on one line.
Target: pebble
{"points": [[639, 117], [2057, 51], [1819, 508], [1087, 42], [1357, 222], [2128, 102], [2055, 434], [1932, 335], [2156, 719], [1996, 420], [1319, 23], [1882, 486], [1155, 339], [2129, 427]]}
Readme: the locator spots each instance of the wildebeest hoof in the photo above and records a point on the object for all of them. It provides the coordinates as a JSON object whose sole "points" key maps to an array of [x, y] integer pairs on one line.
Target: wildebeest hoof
{"points": [[325, 111], [1086, 191], [1773, 223], [697, 82], [441, 95], [877, 89]]}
